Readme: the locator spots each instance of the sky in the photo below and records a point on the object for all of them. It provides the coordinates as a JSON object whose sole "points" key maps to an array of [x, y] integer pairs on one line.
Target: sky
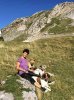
{"points": [[10, 10]]}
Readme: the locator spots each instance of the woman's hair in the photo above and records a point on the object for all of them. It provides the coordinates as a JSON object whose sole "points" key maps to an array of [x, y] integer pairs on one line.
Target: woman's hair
{"points": [[26, 50]]}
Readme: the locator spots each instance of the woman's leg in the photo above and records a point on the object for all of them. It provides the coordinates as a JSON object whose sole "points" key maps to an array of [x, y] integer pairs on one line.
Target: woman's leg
{"points": [[28, 77]]}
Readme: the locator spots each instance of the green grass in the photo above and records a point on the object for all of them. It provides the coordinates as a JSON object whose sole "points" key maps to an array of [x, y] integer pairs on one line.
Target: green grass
{"points": [[56, 53], [61, 29], [12, 86], [61, 26]]}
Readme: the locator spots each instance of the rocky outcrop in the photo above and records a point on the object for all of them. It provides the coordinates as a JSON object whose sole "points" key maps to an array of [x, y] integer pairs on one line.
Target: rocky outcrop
{"points": [[28, 95], [31, 26], [37, 24], [62, 9], [6, 96], [15, 29]]}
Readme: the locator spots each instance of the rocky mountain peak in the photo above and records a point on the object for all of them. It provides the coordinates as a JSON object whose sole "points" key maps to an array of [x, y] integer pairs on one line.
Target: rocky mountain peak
{"points": [[31, 27], [64, 9]]}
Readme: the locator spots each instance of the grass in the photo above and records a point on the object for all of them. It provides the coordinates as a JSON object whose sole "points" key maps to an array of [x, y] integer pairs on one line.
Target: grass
{"points": [[57, 54], [58, 26], [61, 29], [14, 87], [1, 39]]}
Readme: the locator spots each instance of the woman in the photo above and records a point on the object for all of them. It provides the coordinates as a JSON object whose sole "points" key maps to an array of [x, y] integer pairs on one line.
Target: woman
{"points": [[23, 67]]}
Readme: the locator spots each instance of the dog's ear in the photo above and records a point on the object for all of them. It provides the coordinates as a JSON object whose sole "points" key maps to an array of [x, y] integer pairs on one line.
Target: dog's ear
{"points": [[42, 67], [48, 75], [44, 76], [38, 80]]}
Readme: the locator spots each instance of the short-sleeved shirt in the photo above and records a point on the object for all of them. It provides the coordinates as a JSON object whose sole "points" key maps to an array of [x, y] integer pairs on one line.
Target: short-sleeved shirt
{"points": [[23, 64]]}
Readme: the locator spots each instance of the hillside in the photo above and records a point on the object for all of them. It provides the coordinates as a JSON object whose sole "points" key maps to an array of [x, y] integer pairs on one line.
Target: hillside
{"points": [[56, 53], [59, 20]]}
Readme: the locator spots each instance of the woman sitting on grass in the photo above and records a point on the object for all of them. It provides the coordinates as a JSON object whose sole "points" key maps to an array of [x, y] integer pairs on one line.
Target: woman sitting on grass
{"points": [[23, 67]]}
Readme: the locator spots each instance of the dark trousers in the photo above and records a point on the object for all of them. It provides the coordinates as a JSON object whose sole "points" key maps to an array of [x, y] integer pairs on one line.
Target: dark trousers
{"points": [[28, 77]]}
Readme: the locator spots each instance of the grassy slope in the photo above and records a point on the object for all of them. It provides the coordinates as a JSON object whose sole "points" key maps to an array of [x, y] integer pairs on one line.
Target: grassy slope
{"points": [[57, 54], [59, 25]]}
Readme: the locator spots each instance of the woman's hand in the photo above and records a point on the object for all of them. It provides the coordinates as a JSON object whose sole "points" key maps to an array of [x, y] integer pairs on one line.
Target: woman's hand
{"points": [[26, 71]]}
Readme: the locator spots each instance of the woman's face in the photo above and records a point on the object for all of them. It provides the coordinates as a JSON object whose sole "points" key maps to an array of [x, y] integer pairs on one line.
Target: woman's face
{"points": [[25, 54]]}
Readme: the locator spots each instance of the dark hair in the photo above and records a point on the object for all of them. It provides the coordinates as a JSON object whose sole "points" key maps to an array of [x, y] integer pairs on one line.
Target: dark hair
{"points": [[44, 75], [26, 50]]}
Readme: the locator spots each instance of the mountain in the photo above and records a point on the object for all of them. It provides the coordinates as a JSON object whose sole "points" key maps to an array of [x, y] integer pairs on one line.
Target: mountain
{"points": [[0, 33], [59, 20]]}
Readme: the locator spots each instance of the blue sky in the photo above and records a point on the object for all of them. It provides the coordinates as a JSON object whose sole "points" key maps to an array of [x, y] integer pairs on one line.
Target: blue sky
{"points": [[13, 9]]}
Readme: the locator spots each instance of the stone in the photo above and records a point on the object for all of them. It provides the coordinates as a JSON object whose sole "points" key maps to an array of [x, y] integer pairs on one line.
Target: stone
{"points": [[29, 95], [26, 84], [6, 96]]}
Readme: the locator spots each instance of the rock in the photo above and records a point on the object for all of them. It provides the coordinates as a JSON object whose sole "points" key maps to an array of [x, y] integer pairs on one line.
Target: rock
{"points": [[26, 84], [3, 82], [72, 24], [64, 9], [6, 96], [9, 76], [29, 95], [51, 33], [0, 33]]}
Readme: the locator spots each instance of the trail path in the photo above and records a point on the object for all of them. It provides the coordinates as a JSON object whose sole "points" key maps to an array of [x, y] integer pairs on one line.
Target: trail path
{"points": [[39, 36]]}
